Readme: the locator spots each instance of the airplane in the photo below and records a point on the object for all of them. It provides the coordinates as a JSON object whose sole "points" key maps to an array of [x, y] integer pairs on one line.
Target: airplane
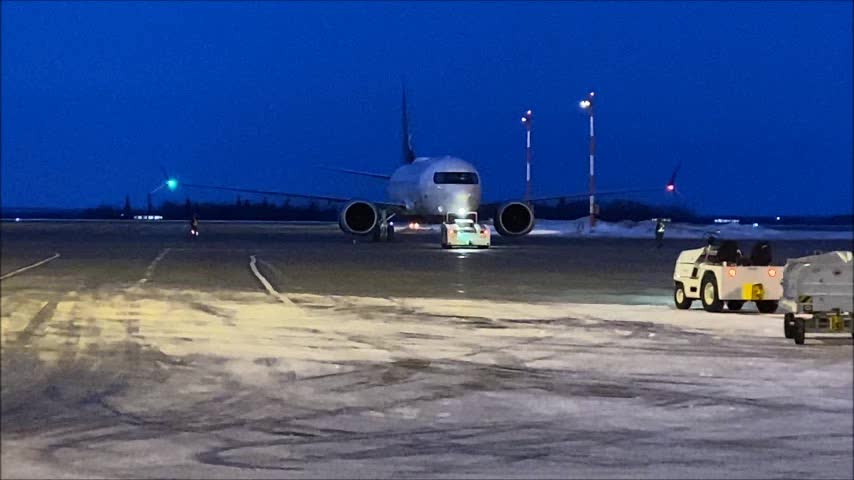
{"points": [[425, 188]]}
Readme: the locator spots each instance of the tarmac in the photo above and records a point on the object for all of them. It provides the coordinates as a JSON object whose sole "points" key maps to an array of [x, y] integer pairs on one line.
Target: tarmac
{"points": [[263, 350]]}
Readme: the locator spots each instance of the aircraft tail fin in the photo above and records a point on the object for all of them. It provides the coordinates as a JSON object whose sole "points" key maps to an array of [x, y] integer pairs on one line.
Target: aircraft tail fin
{"points": [[408, 153]]}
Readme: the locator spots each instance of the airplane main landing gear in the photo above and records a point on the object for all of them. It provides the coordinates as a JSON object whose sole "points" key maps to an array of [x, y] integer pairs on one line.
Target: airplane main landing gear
{"points": [[384, 230]]}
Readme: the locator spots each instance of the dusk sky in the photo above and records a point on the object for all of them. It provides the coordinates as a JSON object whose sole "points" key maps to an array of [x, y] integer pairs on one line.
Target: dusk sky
{"points": [[754, 98]]}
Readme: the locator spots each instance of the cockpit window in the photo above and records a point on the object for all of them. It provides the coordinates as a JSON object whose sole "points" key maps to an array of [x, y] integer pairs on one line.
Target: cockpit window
{"points": [[459, 178]]}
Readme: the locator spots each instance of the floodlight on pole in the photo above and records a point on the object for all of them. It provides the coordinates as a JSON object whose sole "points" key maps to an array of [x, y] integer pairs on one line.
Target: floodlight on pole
{"points": [[587, 104], [528, 122]]}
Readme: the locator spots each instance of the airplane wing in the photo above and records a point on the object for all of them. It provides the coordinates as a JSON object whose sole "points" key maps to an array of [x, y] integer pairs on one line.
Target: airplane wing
{"points": [[357, 172], [328, 198], [575, 196], [669, 188], [604, 193]]}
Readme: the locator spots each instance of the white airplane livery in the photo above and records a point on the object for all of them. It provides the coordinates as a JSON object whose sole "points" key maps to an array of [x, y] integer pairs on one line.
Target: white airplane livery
{"points": [[426, 188], [435, 186], [429, 188]]}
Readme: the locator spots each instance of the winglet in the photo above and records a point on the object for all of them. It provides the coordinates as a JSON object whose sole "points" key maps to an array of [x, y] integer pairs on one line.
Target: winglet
{"points": [[408, 153], [671, 185]]}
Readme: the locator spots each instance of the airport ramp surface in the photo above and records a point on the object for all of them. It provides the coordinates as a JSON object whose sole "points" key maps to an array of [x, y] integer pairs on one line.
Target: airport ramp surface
{"points": [[137, 353]]}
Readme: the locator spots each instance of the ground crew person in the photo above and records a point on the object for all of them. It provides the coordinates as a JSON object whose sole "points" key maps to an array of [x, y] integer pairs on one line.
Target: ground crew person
{"points": [[659, 233], [194, 225]]}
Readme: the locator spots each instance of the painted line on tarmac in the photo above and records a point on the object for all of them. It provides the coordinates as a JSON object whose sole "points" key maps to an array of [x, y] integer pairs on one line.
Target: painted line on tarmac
{"points": [[272, 268], [149, 271], [28, 267], [269, 287]]}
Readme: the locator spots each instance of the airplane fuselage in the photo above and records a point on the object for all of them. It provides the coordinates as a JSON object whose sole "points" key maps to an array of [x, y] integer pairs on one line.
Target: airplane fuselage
{"points": [[434, 186]]}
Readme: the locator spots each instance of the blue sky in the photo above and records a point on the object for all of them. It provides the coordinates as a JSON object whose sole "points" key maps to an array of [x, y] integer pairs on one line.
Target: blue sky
{"points": [[754, 98]]}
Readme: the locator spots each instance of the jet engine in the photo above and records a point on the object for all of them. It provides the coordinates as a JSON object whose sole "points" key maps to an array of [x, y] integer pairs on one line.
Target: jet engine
{"points": [[514, 219], [358, 217]]}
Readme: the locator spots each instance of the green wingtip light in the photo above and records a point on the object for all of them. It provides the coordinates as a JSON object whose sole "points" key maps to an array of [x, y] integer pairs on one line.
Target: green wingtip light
{"points": [[172, 184]]}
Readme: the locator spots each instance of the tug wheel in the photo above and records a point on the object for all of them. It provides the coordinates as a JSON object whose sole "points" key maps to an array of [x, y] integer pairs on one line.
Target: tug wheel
{"points": [[767, 306], [734, 305], [788, 325], [799, 331], [709, 294], [680, 299]]}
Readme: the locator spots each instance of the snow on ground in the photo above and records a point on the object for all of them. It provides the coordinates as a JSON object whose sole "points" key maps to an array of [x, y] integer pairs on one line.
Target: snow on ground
{"points": [[153, 383], [580, 228], [645, 229]]}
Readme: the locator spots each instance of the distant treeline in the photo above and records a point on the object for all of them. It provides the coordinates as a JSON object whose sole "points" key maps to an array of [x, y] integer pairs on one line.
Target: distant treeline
{"points": [[246, 210], [243, 209], [238, 210]]}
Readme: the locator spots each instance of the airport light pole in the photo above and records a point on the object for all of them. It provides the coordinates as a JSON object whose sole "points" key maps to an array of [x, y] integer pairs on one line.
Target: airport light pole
{"points": [[587, 104], [527, 121]]}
